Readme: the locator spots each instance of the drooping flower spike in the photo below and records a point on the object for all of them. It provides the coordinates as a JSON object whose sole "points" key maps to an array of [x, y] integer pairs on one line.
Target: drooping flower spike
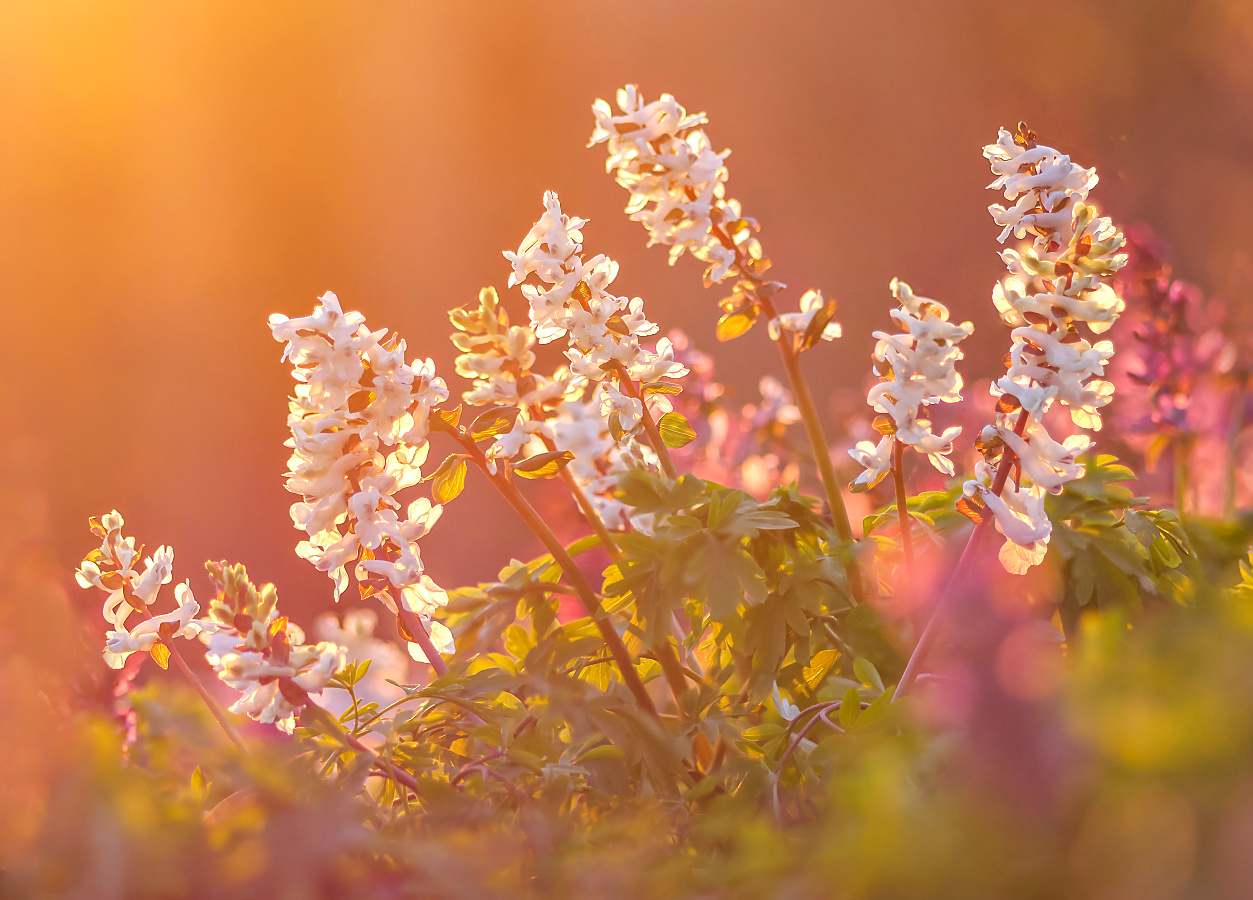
{"points": [[917, 367], [128, 590], [261, 654], [677, 182], [359, 422], [1055, 283]]}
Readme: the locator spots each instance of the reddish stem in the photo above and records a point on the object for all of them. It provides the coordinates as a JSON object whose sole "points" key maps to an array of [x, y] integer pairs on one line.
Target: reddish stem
{"points": [[958, 578]]}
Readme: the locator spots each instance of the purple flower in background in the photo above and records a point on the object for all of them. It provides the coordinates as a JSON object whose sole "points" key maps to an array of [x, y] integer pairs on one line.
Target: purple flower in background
{"points": [[1183, 379]]}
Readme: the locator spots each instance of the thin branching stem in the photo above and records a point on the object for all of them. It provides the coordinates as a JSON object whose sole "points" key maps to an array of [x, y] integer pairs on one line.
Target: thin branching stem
{"points": [[646, 416], [902, 506], [960, 573], [210, 701], [809, 415], [574, 575]]}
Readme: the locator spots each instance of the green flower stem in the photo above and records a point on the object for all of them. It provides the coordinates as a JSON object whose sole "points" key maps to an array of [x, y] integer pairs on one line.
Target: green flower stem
{"points": [[671, 666], [960, 574], [580, 497], [1234, 427], [809, 415], [621, 656], [400, 776], [1182, 453], [650, 427], [210, 701], [902, 505]]}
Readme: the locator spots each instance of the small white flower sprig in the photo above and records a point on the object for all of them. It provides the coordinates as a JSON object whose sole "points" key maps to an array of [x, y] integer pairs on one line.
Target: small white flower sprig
{"points": [[569, 297], [360, 422], [1054, 284], [917, 367], [677, 183], [111, 569], [261, 654]]}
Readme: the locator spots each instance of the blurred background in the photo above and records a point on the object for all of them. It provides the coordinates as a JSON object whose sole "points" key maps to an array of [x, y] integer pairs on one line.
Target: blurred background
{"points": [[171, 174]]}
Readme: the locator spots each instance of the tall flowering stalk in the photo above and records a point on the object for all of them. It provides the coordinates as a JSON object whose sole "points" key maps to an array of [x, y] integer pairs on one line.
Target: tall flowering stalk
{"points": [[917, 367], [659, 153], [1056, 283], [360, 420]]}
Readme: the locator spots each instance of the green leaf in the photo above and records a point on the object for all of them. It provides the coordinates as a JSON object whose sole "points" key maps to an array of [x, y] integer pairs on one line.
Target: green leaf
{"points": [[663, 387], [818, 324], [604, 751], [543, 465], [497, 420], [866, 672], [736, 323], [199, 786], [850, 708], [675, 430], [444, 419], [765, 730], [449, 479]]}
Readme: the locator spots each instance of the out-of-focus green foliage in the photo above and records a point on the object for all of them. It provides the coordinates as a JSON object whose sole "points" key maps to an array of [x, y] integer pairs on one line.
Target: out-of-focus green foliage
{"points": [[1124, 770], [1155, 723]]}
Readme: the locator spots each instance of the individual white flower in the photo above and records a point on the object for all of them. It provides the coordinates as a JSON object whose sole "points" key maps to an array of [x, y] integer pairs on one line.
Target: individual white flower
{"points": [[811, 303], [875, 459], [784, 707]]}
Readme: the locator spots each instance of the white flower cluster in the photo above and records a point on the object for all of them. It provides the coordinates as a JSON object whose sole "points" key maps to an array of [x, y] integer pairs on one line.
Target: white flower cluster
{"points": [[1054, 284], [917, 367], [498, 358], [359, 422], [658, 152], [111, 568], [571, 299], [262, 655]]}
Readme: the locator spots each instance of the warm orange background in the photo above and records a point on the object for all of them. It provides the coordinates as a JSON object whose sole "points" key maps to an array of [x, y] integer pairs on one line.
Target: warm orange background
{"points": [[171, 173]]}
